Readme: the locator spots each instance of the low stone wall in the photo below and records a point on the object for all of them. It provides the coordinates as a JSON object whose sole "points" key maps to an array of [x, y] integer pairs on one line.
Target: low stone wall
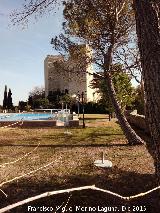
{"points": [[138, 121]]}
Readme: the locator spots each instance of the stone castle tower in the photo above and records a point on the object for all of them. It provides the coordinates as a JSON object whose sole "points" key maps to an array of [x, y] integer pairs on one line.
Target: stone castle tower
{"points": [[72, 75]]}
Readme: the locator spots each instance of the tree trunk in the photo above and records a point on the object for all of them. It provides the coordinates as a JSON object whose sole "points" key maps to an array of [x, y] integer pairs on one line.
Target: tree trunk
{"points": [[149, 45], [130, 134]]}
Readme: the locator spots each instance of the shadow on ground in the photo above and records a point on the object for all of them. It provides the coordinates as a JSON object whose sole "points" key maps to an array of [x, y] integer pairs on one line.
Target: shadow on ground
{"points": [[116, 180]]}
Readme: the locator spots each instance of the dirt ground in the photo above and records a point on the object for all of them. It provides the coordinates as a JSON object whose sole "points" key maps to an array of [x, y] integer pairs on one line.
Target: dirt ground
{"points": [[73, 166]]}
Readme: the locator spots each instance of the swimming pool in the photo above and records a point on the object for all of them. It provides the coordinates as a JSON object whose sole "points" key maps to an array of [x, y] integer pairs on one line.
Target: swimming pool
{"points": [[26, 116]]}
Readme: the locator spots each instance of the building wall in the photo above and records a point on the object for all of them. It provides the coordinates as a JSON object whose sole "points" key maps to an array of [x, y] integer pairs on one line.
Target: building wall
{"points": [[74, 75], [53, 78]]}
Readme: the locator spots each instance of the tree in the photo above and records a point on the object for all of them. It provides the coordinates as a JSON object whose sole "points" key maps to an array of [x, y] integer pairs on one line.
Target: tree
{"points": [[37, 98], [67, 100], [9, 104], [5, 99], [41, 103], [22, 105], [138, 103], [30, 101], [105, 27], [54, 98], [123, 87], [37, 92], [147, 14]]}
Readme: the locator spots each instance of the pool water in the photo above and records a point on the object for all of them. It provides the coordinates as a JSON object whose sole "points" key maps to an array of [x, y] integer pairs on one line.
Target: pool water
{"points": [[26, 116]]}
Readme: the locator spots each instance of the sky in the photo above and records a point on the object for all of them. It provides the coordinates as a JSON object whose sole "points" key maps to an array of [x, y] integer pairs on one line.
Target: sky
{"points": [[22, 51]]}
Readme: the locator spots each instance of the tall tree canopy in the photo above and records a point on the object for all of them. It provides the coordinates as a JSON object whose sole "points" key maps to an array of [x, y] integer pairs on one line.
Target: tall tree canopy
{"points": [[5, 98], [10, 104], [147, 27], [107, 28]]}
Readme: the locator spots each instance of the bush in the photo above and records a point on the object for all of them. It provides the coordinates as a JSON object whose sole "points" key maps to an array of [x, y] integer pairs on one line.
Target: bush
{"points": [[93, 108]]}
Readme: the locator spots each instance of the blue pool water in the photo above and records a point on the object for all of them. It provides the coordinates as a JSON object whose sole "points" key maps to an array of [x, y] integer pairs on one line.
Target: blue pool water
{"points": [[25, 116]]}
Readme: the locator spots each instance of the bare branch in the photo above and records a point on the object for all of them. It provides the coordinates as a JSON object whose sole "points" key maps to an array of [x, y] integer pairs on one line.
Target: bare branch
{"points": [[135, 66], [32, 7], [120, 10]]}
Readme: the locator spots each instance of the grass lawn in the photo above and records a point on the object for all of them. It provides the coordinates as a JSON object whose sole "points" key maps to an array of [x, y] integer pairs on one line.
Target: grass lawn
{"points": [[102, 135], [72, 158]]}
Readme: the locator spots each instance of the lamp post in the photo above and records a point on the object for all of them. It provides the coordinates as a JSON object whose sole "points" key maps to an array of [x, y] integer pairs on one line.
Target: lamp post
{"points": [[82, 96], [78, 100], [83, 93], [63, 111]]}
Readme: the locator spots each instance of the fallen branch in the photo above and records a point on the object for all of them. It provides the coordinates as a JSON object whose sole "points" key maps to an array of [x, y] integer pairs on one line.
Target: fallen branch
{"points": [[93, 187], [12, 162]]}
